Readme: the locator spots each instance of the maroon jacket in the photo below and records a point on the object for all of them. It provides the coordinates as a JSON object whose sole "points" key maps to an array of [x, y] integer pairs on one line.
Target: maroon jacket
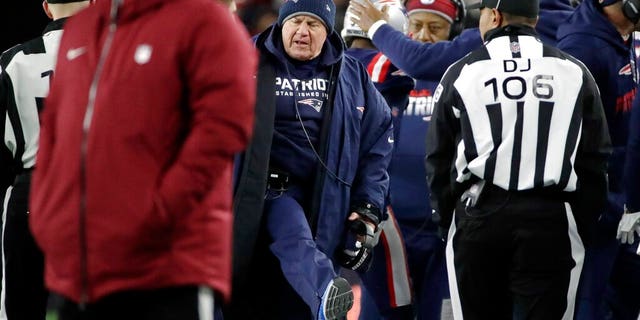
{"points": [[142, 199]]}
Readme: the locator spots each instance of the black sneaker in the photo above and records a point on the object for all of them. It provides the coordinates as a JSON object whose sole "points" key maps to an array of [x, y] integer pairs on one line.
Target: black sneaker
{"points": [[337, 300]]}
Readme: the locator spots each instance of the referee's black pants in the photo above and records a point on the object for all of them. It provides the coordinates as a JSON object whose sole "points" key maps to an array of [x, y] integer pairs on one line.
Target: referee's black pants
{"points": [[24, 296], [515, 255]]}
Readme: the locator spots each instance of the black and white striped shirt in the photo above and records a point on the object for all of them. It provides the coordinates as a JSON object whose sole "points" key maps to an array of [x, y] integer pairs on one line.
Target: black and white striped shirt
{"points": [[24, 83], [518, 114]]}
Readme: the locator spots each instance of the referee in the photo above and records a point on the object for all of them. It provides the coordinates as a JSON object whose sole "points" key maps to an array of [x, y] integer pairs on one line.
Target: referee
{"points": [[517, 151], [24, 83]]}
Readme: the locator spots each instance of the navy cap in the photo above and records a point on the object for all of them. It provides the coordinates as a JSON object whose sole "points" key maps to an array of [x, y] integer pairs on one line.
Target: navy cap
{"points": [[522, 8], [324, 10]]}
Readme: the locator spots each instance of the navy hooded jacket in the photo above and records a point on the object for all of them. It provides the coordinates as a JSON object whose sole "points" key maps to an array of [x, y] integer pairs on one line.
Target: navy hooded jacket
{"points": [[591, 38], [631, 168], [359, 142]]}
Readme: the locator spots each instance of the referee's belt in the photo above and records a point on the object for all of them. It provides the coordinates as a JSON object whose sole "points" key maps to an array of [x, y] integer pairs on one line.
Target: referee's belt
{"points": [[547, 193], [23, 176]]}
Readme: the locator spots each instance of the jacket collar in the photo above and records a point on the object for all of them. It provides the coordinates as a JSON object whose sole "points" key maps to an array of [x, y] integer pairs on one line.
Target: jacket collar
{"points": [[270, 40], [129, 9], [54, 25], [509, 30]]}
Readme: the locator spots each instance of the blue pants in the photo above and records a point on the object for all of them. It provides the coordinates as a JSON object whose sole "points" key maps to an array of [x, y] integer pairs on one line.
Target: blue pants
{"points": [[621, 296], [307, 269], [598, 265], [427, 267], [611, 276]]}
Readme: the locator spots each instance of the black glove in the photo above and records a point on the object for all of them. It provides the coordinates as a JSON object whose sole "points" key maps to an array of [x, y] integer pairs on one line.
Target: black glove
{"points": [[356, 254], [443, 225]]}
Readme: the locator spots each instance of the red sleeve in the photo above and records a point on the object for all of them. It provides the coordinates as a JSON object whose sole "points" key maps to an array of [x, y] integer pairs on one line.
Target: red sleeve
{"points": [[219, 64]]}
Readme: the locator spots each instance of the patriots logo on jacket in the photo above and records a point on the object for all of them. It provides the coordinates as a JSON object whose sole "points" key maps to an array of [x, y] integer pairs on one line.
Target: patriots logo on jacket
{"points": [[313, 103], [625, 71]]}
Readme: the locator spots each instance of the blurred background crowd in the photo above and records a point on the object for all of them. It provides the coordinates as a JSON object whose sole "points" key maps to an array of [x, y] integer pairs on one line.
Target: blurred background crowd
{"points": [[256, 15]]}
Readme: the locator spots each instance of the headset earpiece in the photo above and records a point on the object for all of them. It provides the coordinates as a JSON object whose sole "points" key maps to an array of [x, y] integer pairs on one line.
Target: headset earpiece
{"points": [[458, 24], [631, 10]]}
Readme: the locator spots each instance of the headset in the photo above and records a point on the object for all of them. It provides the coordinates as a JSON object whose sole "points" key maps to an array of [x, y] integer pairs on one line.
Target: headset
{"points": [[459, 23], [631, 10]]}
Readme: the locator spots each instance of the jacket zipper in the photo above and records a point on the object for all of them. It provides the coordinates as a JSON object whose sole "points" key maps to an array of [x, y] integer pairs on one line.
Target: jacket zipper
{"points": [[86, 125]]}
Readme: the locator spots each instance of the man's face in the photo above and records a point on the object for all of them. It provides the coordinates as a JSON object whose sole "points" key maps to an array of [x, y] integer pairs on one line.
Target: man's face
{"points": [[303, 37], [428, 27]]}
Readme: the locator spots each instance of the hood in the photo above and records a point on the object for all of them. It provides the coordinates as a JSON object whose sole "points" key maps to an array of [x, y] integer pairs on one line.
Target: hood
{"points": [[588, 20], [553, 13], [555, 5], [270, 40], [129, 9]]}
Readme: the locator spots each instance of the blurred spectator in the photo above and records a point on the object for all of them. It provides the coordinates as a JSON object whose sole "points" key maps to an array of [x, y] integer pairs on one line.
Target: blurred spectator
{"points": [[257, 15], [258, 18], [341, 11], [131, 195]]}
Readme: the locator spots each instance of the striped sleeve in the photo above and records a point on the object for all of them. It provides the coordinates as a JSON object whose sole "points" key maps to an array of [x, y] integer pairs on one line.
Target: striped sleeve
{"points": [[378, 68]]}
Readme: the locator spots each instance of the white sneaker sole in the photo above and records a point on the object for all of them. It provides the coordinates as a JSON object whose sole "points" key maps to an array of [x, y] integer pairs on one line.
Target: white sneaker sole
{"points": [[339, 299]]}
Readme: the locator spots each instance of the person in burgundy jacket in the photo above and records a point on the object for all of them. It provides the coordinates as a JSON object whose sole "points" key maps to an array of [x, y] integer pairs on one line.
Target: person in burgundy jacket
{"points": [[131, 197]]}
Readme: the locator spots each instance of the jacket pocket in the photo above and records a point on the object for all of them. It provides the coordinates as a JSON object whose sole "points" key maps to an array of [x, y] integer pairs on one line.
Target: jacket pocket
{"points": [[151, 230], [160, 212]]}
